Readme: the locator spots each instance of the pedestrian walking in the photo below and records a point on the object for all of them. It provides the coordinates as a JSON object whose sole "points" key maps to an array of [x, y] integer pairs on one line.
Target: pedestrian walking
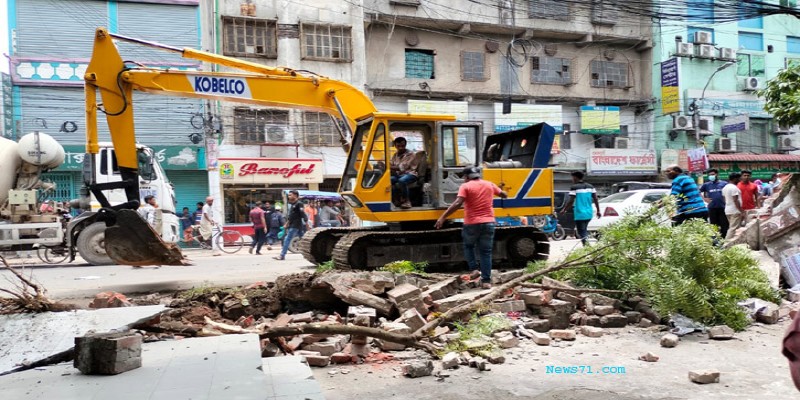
{"points": [[209, 225], [690, 204], [733, 205], [276, 221], [186, 224], [294, 223], [749, 191], [257, 217], [712, 193], [476, 196], [582, 195]]}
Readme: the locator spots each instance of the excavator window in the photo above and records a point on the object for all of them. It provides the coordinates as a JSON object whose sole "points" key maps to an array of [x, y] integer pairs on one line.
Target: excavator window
{"points": [[376, 166], [459, 146]]}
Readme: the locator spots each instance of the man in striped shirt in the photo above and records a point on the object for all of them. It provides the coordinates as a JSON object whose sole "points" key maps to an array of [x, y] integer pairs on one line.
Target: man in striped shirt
{"points": [[690, 204]]}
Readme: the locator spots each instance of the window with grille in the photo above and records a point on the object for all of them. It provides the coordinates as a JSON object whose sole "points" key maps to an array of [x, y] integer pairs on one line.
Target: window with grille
{"points": [[754, 140], [473, 66], [327, 42], [609, 74], [549, 9], [250, 124], [750, 65], [319, 129], [551, 70], [419, 64], [249, 37]]}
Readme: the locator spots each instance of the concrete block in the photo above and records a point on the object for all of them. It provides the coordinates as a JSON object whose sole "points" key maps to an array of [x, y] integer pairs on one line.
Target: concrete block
{"points": [[303, 317], [403, 292], [503, 277], [603, 310], [633, 317], [413, 304], [538, 325], [704, 376], [451, 302], [769, 314], [450, 360], [509, 306], [108, 353], [669, 340], [542, 339], [317, 361], [354, 311], [418, 368], [413, 319], [563, 334], [592, 331], [720, 332], [568, 298], [613, 321], [326, 347]]}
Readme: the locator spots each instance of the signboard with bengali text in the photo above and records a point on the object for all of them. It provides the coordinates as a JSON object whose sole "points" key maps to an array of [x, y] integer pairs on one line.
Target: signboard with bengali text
{"points": [[622, 162]]}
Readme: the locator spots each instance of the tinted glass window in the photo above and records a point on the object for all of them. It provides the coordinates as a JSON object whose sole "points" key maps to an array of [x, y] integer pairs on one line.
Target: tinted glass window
{"points": [[617, 197]]}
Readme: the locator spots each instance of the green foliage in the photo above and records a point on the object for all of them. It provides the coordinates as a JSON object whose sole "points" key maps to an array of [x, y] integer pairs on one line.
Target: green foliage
{"points": [[782, 96], [678, 269], [204, 290], [476, 329], [405, 267], [325, 267]]}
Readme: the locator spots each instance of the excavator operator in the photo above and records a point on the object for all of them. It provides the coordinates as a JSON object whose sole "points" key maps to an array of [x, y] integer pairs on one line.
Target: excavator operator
{"points": [[404, 167]]}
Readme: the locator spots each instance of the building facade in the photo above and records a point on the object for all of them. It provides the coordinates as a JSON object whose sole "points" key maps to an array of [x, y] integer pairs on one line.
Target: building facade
{"points": [[325, 37], [584, 68], [50, 47], [706, 75]]}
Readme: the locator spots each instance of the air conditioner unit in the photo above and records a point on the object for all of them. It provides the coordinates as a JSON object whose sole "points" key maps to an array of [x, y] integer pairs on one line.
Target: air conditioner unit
{"points": [[705, 51], [702, 37], [682, 122], [786, 144], [706, 126], [725, 145], [727, 53], [783, 130], [621, 143], [275, 133], [685, 49], [752, 83]]}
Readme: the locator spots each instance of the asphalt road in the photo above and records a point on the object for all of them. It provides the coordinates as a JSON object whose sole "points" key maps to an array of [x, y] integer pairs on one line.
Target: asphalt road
{"points": [[79, 281]]}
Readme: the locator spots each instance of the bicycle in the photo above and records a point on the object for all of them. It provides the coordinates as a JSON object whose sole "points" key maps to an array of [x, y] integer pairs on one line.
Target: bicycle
{"points": [[52, 255], [229, 241]]}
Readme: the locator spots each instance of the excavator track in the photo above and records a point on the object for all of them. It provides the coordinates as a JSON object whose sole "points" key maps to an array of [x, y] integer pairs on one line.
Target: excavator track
{"points": [[317, 245], [514, 247]]}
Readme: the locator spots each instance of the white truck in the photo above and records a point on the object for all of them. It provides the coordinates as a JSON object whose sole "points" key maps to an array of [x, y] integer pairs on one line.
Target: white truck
{"points": [[28, 221]]}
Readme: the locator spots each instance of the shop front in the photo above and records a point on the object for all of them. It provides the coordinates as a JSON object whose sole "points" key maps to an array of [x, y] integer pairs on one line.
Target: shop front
{"points": [[245, 181], [762, 166], [185, 167]]}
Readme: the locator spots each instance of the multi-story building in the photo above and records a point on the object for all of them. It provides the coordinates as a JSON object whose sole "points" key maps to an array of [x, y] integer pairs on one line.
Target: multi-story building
{"points": [[50, 46], [707, 73], [325, 37], [582, 67]]}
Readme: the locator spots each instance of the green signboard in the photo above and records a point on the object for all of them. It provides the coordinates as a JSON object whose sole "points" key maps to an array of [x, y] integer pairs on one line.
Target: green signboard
{"points": [[170, 157], [760, 170]]}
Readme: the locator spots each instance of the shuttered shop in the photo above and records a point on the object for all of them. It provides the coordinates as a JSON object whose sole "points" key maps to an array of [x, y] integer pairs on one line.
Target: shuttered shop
{"points": [[63, 28], [176, 26], [191, 187]]}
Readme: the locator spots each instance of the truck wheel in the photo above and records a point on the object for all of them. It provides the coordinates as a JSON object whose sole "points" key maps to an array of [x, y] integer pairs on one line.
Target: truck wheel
{"points": [[91, 244]]}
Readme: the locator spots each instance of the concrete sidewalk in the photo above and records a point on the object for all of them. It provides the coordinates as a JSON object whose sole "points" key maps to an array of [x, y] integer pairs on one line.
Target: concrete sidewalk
{"points": [[214, 368]]}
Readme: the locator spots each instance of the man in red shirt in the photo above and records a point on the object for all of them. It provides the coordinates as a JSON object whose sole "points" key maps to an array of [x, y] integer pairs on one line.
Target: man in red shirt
{"points": [[477, 197], [259, 228], [749, 191]]}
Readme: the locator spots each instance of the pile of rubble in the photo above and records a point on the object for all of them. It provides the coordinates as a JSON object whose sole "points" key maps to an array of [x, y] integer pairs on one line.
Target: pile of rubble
{"points": [[543, 313]]}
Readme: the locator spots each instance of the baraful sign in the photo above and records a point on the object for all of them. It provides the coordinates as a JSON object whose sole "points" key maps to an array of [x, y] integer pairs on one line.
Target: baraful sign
{"points": [[270, 170]]}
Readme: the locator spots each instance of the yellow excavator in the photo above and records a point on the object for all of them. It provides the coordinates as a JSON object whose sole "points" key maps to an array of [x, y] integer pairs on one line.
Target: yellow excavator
{"points": [[516, 161]]}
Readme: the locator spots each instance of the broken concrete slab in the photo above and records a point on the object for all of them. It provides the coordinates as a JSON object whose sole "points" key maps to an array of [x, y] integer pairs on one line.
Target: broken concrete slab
{"points": [[704, 376], [448, 303], [402, 293], [33, 339], [356, 297], [770, 267], [418, 368], [224, 367]]}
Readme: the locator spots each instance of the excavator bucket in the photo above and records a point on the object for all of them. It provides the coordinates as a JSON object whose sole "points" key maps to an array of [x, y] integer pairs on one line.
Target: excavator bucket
{"points": [[131, 241]]}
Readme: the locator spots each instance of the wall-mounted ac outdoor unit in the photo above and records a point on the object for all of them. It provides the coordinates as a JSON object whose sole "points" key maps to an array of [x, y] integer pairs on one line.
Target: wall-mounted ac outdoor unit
{"points": [[727, 53], [751, 83], [705, 51], [275, 133], [621, 143], [725, 145], [702, 37], [783, 130], [706, 126], [685, 49], [682, 122], [786, 144]]}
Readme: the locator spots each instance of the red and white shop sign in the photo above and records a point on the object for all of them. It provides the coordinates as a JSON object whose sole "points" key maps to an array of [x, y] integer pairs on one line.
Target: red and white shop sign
{"points": [[270, 170]]}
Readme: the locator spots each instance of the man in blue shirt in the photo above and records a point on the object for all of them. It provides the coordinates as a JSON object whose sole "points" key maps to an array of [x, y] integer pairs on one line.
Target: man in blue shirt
{"points": [[582, 194], [712, 192], [690, 204]]}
